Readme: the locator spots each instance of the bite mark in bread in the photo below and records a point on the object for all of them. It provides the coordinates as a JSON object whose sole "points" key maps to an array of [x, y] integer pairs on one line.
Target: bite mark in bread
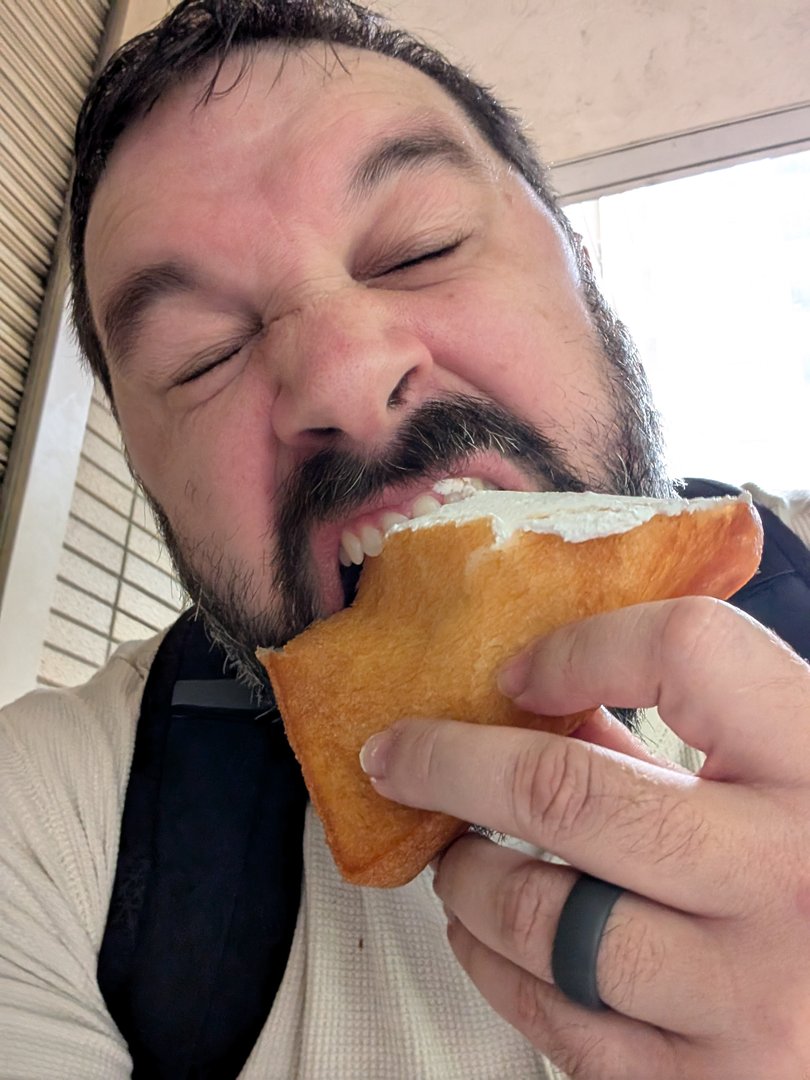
{"points": [[449, 600]]}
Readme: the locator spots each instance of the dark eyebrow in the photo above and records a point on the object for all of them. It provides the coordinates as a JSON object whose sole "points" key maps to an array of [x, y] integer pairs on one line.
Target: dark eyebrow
{"points": [[124, 309], [411, 150]]}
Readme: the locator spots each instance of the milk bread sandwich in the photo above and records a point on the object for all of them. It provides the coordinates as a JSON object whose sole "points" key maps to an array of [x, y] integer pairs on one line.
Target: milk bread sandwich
{"points": [[450, 598]]}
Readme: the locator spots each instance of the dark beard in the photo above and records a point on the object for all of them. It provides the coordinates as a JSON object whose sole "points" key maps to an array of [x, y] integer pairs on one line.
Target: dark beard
{"points": [[436, 440]]}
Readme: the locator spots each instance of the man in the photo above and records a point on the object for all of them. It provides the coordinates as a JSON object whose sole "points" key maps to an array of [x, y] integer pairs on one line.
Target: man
{"points": [[318, 269]]}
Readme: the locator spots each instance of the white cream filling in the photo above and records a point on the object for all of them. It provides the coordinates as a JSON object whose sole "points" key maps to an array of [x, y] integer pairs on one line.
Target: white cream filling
{"points": [[574, 516]]}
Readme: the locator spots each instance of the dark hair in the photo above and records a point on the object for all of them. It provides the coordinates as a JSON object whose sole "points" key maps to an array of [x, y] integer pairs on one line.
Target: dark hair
{"points": [[197, 32]]}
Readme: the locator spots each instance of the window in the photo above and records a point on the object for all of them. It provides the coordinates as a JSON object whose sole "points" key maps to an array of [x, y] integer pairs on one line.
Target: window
{"points": [[711, 273]]}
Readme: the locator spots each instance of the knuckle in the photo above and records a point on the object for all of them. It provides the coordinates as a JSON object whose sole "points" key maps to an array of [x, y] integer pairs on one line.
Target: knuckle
{"points": [[548, 1022], [421, 761], [552, 789], [591, 1058], [692, 627], [631, 958], [531, 1006], [525, 923], [674, 830], [682, 833]]}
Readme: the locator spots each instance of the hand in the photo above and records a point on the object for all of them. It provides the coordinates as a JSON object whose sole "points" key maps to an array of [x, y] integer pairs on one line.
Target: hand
{"points": [[705, 961]]}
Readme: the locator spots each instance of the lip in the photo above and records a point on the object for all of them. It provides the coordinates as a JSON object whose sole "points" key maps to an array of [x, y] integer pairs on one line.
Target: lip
{"points": [[325, 539]]}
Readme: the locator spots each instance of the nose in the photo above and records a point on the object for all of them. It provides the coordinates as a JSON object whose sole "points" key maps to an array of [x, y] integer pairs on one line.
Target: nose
{"points": [[347, 370]]}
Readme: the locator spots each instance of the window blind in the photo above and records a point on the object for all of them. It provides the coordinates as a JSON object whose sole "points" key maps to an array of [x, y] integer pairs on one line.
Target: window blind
{"points": [[48, 50]]}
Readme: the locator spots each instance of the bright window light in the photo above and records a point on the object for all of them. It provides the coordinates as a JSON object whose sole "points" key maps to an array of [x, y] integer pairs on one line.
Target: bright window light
{"points": [[711, 274]]}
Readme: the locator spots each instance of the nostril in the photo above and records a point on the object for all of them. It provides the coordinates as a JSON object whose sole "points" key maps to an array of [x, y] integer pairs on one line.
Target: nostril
{"points": [[397, 396]]}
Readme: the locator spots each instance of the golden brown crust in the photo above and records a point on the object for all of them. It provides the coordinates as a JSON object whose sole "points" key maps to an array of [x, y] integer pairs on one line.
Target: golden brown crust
{"points": [[436, 616]]}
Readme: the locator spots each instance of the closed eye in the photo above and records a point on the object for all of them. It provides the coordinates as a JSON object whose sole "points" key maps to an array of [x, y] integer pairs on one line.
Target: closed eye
{"points": [[406, 257], [208, 365], [427, 256], [210, 360]]}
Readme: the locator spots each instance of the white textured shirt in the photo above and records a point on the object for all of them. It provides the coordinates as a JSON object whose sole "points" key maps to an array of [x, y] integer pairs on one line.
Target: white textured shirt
{"points": [[399, 1008]]}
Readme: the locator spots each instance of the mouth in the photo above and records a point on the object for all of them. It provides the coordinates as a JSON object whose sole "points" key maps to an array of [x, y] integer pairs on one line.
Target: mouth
{"points": [[364, 536]]}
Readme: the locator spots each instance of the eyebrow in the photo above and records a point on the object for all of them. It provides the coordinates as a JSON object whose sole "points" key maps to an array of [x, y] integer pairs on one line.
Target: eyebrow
{"points": [[412, 150], [124, 309]]}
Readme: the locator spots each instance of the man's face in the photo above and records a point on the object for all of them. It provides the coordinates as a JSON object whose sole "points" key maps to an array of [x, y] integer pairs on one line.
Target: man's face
{"points": [[320, 293]]}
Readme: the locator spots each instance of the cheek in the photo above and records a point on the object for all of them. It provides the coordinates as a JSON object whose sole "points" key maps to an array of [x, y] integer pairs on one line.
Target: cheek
{"points": [[526, 348], [146, 436], [213, 476]]}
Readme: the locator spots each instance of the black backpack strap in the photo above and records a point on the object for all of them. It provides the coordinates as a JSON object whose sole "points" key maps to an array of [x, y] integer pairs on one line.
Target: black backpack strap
{"points": [[778, 596], [207, 886]]}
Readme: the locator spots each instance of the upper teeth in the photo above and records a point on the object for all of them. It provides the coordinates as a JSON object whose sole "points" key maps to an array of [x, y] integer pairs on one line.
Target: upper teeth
{"points": [[367, 539]]}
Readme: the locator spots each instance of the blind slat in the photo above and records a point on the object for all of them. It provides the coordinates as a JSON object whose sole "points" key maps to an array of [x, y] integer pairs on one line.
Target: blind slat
{"points": [[31, 153], [41, 31], [31, 65], [78, 20], [13, 347], [48, 50], [22, 318], [12, 384], [27, 248], [19, 277], [35, 42], [17, 214]]}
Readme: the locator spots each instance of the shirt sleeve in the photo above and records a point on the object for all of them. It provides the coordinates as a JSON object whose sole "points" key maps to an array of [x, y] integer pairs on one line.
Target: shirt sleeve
{"points": [[64, 760], [791, 507]]}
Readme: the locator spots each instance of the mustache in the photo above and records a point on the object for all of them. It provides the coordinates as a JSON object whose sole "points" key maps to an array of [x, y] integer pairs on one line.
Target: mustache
{"points": [[440, 437]]}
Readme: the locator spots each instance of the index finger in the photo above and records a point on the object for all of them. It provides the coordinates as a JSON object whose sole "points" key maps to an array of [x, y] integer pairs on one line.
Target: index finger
{"points": [[722, 682], [716, 677], [666, 835]]}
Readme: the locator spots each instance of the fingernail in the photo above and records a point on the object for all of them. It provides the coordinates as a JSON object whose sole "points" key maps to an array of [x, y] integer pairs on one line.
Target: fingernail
{"points": [[514, 676], [374, 754]]}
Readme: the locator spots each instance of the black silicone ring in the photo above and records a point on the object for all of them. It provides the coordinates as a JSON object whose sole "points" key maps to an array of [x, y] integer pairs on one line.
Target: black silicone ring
{"points": [[578, 937]]}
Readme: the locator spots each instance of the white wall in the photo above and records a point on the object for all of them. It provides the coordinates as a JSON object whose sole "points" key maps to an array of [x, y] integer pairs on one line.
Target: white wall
{"points": [[593, 76]]}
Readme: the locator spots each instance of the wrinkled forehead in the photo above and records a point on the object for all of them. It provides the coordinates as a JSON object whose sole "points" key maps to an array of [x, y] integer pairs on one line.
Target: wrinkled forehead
{"points": [[302, 98], [274, 116], [283, 85]]}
